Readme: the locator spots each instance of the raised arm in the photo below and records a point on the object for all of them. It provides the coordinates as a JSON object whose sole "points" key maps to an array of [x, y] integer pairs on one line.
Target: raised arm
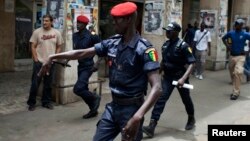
{"points": [[69, 55]]}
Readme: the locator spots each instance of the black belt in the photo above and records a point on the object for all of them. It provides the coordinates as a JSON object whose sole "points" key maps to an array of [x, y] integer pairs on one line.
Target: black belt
{"points": [[128, 101], [238, 54]]}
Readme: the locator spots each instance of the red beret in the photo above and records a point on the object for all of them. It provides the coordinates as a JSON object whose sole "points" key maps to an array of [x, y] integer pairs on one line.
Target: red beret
{"points": [[83, 19], [123, 9]]}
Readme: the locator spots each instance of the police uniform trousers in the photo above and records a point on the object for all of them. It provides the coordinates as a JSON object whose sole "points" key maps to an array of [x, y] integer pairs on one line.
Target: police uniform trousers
{"points": [[81, 87], [35, 83], [168, 88], [114, 118]]}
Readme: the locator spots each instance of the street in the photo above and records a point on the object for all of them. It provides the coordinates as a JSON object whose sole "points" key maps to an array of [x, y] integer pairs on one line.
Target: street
{"points": [[64, 123]]}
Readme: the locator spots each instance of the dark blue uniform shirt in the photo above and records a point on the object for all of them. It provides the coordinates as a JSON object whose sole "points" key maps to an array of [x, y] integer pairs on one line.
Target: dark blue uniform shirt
{"points": [[128, 64], [175, 55], [83, 40]]}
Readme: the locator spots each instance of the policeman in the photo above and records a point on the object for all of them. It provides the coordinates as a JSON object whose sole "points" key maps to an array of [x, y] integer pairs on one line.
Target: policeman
{"points": [[132, 61], [82, 40], [176, 54]]}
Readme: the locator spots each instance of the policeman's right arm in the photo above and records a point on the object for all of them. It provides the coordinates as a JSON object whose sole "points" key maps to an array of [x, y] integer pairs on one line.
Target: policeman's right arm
{"points": [[69, 55]]}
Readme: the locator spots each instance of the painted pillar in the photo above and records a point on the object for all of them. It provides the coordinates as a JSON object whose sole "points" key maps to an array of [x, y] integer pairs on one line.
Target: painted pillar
{"points": [[214, 13], [158, 14], [7, 35], [65, 78], [241, 9]]}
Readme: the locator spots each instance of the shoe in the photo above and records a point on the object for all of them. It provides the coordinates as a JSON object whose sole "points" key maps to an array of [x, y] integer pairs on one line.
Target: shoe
{"points": [[150, 129], [31, 107], [48, 106], [90, 114], [200, 77], [233, 97], [197, 76], [96, 103], [190, 123]]}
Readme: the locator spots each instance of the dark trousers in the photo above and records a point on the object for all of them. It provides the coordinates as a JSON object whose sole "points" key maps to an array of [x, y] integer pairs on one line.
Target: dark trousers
{"points": [[36, 81], [167, 91], [114, 118], [81, 87]]}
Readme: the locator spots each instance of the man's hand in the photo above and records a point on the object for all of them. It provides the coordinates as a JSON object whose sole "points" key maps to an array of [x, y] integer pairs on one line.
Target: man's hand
{"points": [[129, 132], [209, 52], [95, 67], [45, 68], [180, 83]]}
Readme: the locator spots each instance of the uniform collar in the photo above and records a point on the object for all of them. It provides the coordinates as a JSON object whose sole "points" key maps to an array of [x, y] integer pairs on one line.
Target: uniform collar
{"points": [[134, 40], [175, 40], [131, 43], [83, 32]]}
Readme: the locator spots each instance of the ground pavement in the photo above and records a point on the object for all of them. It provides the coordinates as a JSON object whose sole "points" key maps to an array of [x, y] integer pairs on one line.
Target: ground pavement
{"points": [[64, 123]]}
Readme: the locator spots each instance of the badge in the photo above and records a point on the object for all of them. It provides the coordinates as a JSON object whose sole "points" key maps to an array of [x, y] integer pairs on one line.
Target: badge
{"points": [[190, 50], [152, 54]]}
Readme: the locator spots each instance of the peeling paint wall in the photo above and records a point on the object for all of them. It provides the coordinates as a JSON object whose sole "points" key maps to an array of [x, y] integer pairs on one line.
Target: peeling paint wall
{"points": [[172, 12], [217, 60]]}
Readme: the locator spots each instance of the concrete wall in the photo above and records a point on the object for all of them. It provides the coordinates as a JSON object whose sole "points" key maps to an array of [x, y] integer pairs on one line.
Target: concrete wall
{"points": [[167, 17], [218, 52], [66, 77], [241, 8], [7, 37]]}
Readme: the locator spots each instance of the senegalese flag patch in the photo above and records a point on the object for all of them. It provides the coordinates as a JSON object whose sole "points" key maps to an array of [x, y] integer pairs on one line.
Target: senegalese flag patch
{"points": [[190, 49], [152, 53]]}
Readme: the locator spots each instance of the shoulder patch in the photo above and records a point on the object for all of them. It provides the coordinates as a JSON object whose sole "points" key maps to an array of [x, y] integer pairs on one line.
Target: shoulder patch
{"points": [[116, 36], [190, 50], [152, 54]]}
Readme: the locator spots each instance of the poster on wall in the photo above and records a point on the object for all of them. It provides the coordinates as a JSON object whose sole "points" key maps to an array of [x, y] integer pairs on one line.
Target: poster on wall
{"points": [[153, 14], [56, 9], [9, 6], [174, 12], [75, 1], [223, 17], [209, 18]]}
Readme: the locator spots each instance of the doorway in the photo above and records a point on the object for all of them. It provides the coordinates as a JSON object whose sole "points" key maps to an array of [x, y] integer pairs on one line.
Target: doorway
{"points": [[24, 16], [191, 13]]}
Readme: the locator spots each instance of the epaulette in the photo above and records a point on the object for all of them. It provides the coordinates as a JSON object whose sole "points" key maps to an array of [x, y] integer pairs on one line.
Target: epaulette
{"points": [[117, 36], [179, 43], [145, 42]]}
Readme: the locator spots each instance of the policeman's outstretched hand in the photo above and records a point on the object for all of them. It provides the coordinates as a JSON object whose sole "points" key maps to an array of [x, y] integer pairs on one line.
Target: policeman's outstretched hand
{"points": [[129, 132], [45, 68]]}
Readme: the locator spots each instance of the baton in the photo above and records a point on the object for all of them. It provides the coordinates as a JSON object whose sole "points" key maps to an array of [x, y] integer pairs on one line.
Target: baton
{"points": [[187, 86], [62, 64]]}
